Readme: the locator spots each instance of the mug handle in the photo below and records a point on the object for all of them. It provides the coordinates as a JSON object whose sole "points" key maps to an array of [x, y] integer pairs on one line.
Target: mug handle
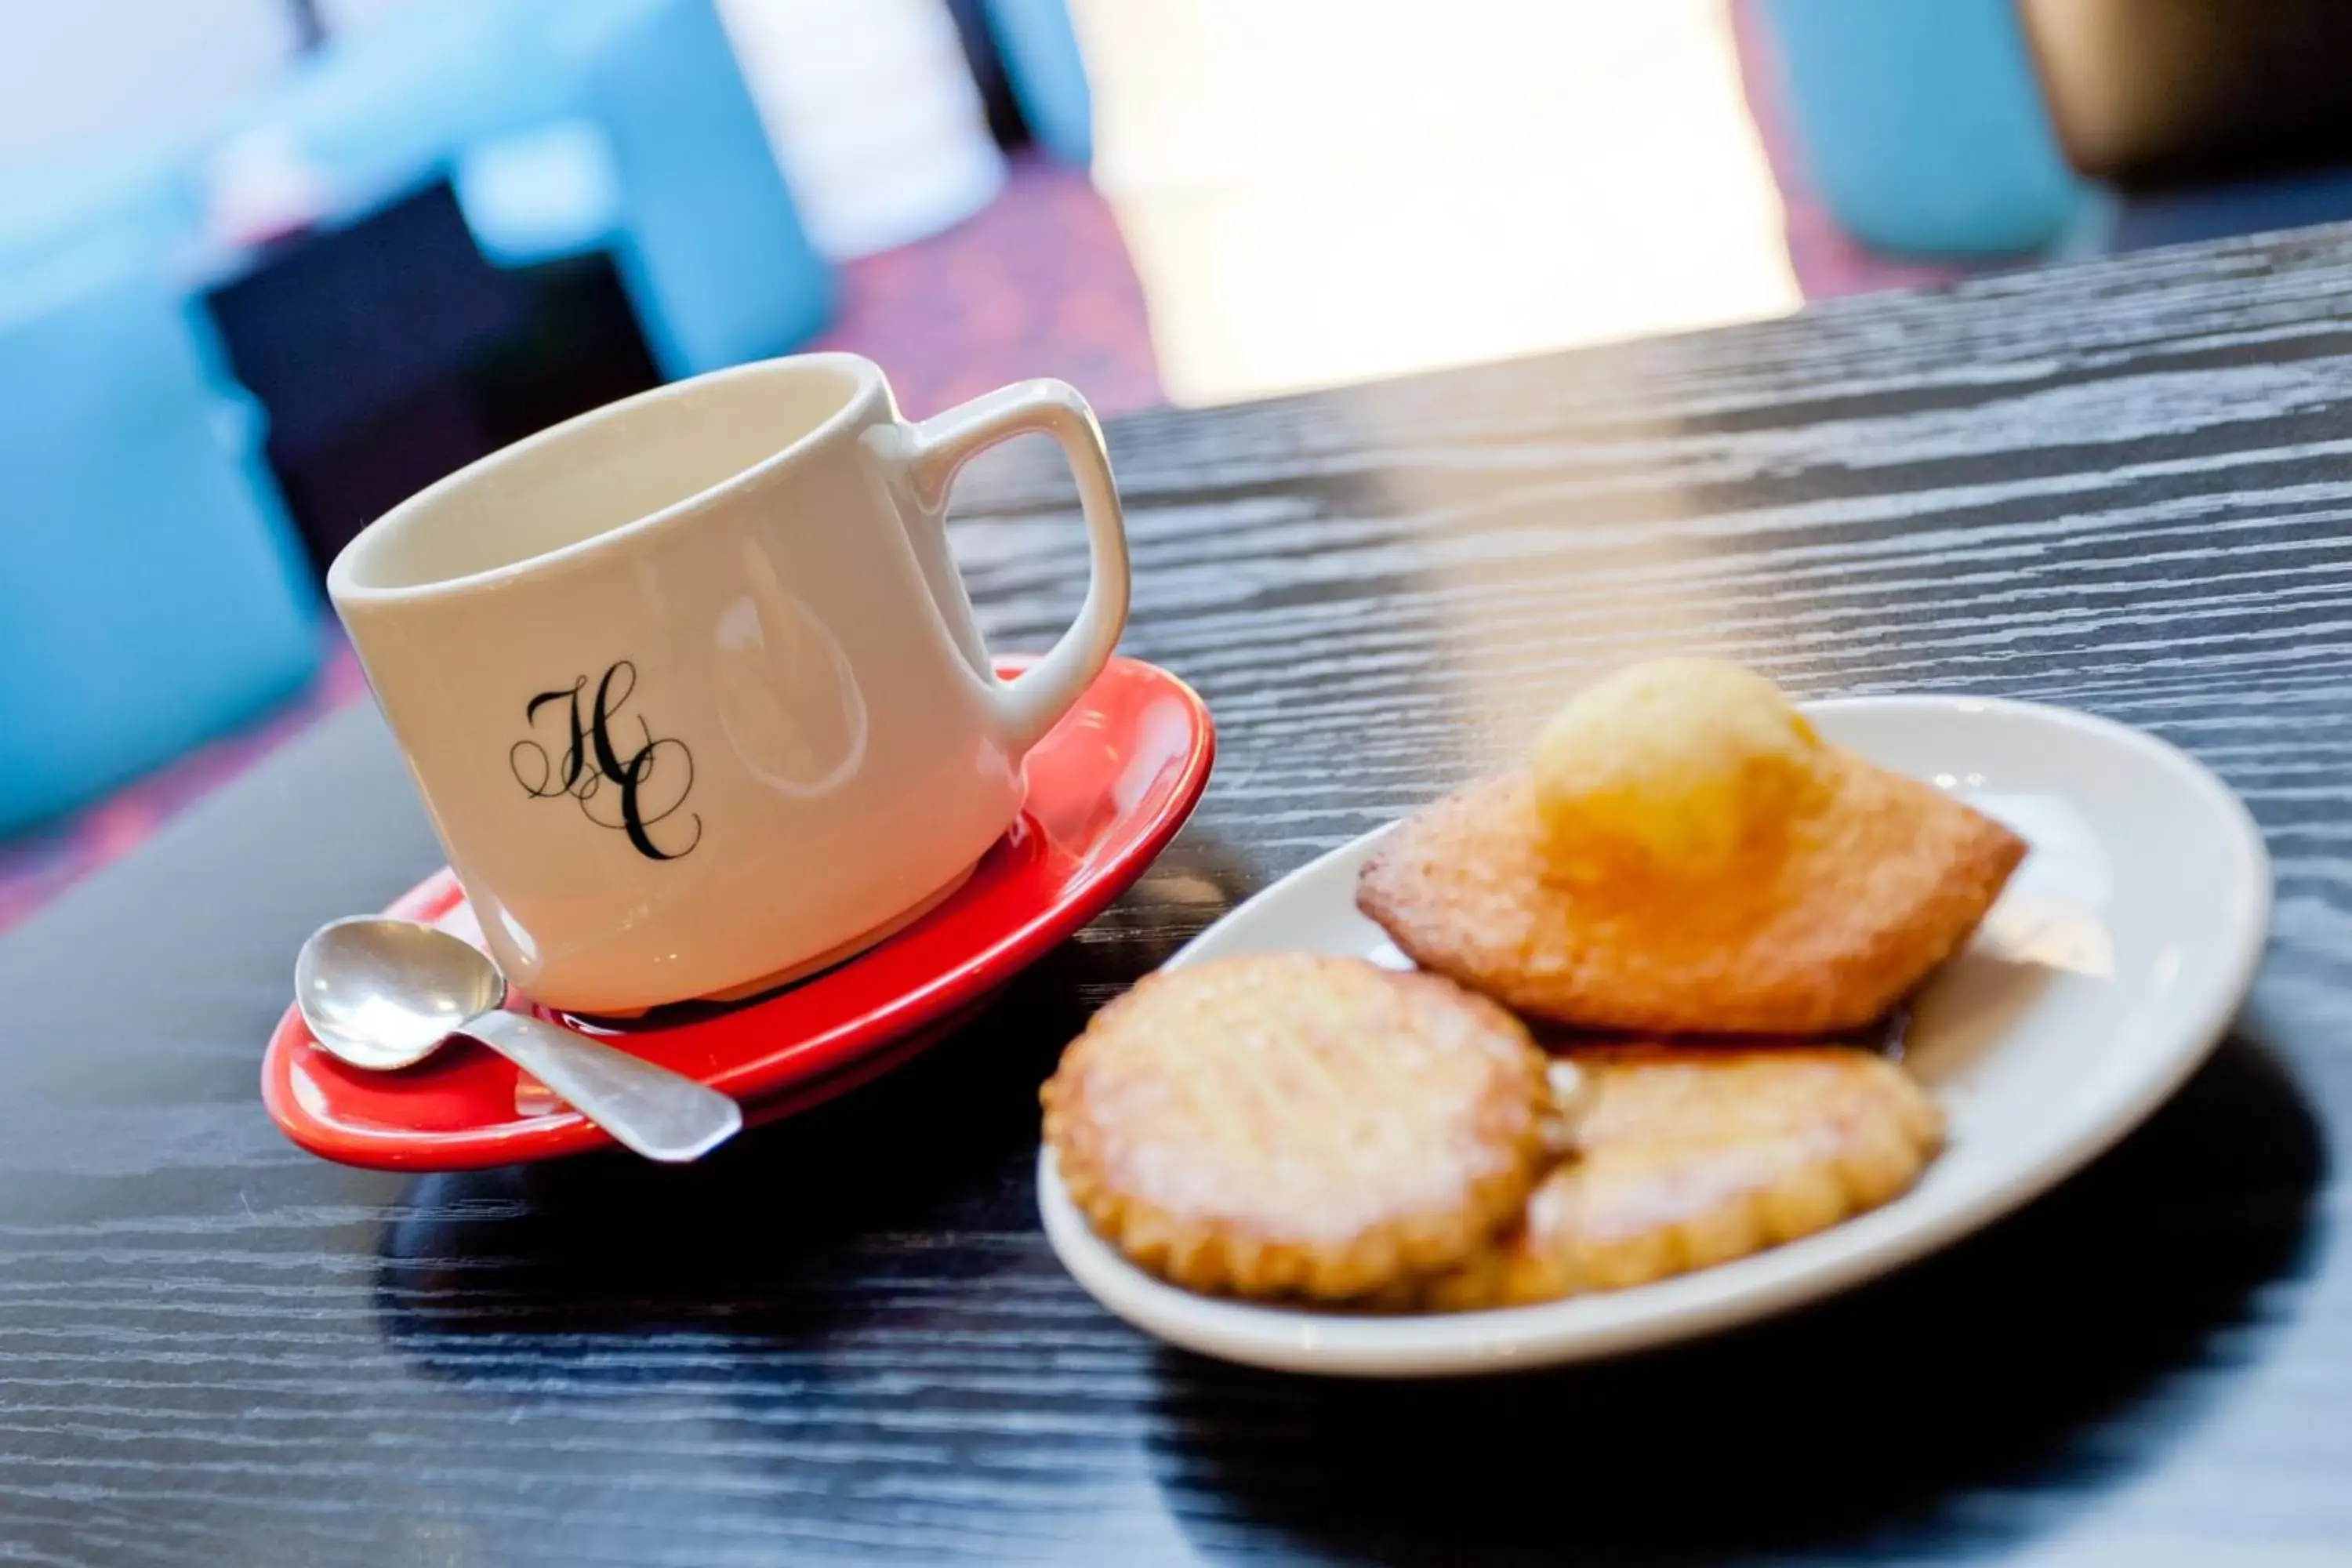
{"points": [[1033, 703]]}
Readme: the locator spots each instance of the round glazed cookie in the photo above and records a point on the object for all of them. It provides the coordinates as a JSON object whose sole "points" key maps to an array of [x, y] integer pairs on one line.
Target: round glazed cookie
{"points": [[1292, 1124]]}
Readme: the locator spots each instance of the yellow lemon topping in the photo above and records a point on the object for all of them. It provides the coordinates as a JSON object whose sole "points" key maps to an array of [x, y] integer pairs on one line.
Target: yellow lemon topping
{"points": [[1672, 768]]}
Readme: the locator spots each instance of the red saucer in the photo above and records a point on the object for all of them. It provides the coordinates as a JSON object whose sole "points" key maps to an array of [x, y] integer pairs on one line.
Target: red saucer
{"points": [[1107, 789]]}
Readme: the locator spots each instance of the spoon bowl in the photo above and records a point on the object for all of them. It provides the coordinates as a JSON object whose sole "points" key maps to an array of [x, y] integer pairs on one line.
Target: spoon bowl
{"points": [[384, 994]]}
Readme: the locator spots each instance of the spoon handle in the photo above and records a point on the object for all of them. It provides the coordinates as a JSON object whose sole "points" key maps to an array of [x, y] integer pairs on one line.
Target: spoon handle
{"points": [[660, 1115]]}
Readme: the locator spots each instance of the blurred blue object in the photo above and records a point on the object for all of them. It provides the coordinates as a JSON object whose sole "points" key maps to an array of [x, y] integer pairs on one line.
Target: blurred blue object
{"points": [[567, 125], [150, 593], [709, 245], [1040, 51], [537, 194], [1923, 122], [138, 199], [385, 107]]}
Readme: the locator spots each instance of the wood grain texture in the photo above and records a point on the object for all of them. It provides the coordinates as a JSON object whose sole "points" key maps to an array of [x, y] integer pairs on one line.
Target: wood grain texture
{"points": [[2125, 487]]}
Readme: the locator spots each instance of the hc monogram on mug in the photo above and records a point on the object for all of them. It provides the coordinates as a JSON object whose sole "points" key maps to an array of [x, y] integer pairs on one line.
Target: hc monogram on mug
{"points": [[690, 686]]}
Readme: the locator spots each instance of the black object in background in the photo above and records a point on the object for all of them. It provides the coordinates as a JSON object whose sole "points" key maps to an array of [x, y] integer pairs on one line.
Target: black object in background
{"points": [[1005, 121], [390, 352], [2154, 94]]}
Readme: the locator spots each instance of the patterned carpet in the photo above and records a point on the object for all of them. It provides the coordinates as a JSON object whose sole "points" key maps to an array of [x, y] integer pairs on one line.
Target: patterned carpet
{"points": [[1039, 283]]}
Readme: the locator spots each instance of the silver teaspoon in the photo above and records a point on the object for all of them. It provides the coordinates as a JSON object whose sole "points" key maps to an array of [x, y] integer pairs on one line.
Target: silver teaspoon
{"points": [[382, 993]]}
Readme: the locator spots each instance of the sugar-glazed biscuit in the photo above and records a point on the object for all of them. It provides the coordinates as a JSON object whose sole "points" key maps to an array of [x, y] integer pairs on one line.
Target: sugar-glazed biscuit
{"points": [[1820, 928], [1683, 1157], [1292, 1124]]}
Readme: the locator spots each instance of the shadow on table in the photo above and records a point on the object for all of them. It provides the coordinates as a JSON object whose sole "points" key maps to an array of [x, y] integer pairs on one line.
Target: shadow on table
{"points": [[779, 1234], [1843, 1427], [758, 1239]]}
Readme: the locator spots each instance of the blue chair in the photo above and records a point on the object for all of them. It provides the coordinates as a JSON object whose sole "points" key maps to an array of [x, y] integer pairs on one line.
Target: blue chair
{"points": [[568, 124], [539, 195], [384, 108], [1049, 75], [708, 243], [150, 595], [138, 199], [1924, 125]]}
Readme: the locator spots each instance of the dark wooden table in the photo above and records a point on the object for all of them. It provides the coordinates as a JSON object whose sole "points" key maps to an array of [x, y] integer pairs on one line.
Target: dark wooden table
{"points": [[2125, 487]]}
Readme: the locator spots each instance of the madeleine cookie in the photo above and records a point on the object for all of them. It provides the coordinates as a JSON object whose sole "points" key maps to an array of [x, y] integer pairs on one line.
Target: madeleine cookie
{"points": [[1822, 927], [1687, 856], [1684, 1157], [1290, 1124]]}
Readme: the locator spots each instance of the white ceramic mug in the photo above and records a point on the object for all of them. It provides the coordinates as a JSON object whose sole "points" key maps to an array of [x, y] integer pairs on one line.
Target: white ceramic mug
{"points": [[691, 684]]}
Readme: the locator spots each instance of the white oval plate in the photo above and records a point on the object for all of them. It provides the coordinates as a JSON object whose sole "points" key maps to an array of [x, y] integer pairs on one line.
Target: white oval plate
{"points": [[2114, 960]]}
